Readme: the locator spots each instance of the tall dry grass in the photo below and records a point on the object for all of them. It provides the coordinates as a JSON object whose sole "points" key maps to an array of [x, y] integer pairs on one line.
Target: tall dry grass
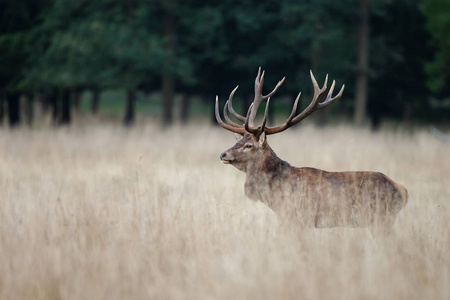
{"points": [[100, 212]]}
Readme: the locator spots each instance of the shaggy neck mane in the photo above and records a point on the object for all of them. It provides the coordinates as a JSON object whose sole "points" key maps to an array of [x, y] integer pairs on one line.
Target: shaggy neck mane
{"points": [[266, 163]]}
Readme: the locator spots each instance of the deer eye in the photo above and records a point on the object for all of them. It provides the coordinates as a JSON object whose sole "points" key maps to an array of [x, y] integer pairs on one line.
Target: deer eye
{"points": [[248, 146]]}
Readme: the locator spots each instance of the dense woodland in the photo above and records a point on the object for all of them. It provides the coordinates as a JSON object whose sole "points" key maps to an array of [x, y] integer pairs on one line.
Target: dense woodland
{"points": [[393, 56]]}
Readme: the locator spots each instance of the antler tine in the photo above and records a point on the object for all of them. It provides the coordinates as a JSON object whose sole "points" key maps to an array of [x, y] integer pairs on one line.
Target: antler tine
{"points": [[314, 105], [272, 130], [329, 100], [314, 81], [259, 97], [275, 89], [258, 86], [227, 119], [258, 78], [339, 95], [247, 126], [259, 74], [294, 108], [318, 91], [266, 113], [261, 82], [230, 106], [226, 126], [330, 92]]}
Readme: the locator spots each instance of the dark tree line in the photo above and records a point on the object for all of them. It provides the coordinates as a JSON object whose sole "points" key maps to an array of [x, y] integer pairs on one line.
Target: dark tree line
{"points": [[53, 51]]}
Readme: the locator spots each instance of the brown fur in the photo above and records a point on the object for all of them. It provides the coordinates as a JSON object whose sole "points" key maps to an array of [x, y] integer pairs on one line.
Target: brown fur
{"points": [[315, 197]]}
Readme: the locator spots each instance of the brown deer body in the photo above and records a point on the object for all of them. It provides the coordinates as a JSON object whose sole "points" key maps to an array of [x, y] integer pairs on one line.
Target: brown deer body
{"points": [[311, 197]]}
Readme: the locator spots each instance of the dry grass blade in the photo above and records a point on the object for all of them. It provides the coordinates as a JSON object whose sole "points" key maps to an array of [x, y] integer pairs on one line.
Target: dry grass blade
{"points": [[108, 213]]}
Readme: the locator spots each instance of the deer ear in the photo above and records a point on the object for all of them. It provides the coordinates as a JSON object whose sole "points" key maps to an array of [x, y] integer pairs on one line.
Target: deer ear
{"points": [[238, 136], [262, 139]]}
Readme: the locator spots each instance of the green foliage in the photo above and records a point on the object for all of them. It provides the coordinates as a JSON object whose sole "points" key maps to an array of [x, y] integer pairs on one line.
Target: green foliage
{"points": [[104, 44], [82, 47], [437, 13], [399, 49], [231, 39], [18, 20]]}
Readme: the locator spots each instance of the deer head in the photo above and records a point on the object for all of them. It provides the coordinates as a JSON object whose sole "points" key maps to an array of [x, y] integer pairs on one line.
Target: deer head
{"points": [[252, 140], [248, 147]]}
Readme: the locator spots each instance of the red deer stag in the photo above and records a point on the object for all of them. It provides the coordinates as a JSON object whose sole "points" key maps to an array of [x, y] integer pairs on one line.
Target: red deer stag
{"points": [[315, 198]]}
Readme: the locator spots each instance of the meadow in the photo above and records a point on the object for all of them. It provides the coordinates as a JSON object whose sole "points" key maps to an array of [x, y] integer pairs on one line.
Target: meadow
{"points": [[96, 211]]}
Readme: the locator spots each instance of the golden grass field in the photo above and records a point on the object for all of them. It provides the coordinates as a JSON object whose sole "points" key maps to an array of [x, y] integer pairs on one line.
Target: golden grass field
{"points": [[100, 212]]}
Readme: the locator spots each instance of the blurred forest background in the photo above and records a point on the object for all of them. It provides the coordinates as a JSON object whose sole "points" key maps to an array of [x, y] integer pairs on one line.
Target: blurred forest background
{"points": [[169, 58]]}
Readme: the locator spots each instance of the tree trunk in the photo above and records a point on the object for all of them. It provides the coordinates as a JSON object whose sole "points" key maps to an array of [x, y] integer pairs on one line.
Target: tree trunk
{"points": [[44, 100], [40, 99], [408, 117], [65, 108], [76, 99], [95, 101], [168, 82], [13, 109], [28, 108], [184, 108], [2, 109], [168, 94], [363, 64], [128, 119], [53, 101], [375, 122]]}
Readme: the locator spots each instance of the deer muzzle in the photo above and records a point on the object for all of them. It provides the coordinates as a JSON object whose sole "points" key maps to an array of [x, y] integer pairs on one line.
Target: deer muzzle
{"points": [[226, 158]]}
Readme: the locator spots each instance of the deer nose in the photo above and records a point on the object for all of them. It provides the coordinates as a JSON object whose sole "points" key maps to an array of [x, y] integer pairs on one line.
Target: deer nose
{"points": [[223, 155]]}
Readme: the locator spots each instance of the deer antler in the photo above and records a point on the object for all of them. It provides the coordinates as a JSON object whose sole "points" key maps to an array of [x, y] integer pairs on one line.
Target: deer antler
{"points": [[259, 98], [231, 126], [313, 106]]}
